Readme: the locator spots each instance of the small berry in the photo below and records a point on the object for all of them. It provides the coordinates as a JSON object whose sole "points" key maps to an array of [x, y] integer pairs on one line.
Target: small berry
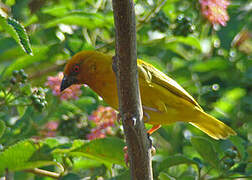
{"points": [[37, 101], [34, 97], [13, 80], [160, 22], [15, 73], [231, 153], [229, 162], [184, 26]]}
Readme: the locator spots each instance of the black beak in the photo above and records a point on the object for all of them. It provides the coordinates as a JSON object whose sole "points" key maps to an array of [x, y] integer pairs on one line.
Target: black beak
{"points": [[67, 81]]}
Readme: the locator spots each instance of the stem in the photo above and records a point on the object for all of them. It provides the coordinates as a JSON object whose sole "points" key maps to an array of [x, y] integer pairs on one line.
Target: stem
{"points": [[53, 68], [42, 172], [125, 66], [7, 174], [150, 14]]}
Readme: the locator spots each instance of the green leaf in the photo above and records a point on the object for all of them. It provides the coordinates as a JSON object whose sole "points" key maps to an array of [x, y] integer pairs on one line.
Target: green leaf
{"points": [[17, 32], [206, 150], [165, 176], [210, 65], [24, 61], [88, 20], [107, 150], [124, 176], [173, 161], [2, 128], [82, 163], [10, 2], [189, 40], [25, 155], [229, 100], [56, 10], [23, 38], [179, 49]]}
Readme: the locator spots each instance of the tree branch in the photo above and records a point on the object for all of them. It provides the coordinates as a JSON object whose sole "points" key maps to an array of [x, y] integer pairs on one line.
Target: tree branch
{"points": [[139, 146]]}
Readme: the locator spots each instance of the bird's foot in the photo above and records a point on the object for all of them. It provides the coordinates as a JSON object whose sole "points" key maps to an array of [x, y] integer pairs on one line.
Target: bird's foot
{"points": [[153, 129], [126, 156], [119, 118]]}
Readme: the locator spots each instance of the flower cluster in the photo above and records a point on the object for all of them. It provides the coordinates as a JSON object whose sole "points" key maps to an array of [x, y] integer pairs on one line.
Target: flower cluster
{"points": [[215, 11], [71, 92], [104, 118]]}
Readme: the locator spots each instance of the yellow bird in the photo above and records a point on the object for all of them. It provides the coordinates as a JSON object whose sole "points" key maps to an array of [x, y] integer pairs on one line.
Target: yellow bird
{"points": [[164, 100]]}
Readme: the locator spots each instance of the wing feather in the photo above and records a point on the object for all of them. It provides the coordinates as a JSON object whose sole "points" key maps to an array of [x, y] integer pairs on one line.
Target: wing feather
{"points": [[152, 75]]}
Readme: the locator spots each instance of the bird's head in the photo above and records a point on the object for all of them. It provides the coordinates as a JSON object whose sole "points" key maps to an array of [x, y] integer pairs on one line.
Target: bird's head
{"points": [[75, 69]]}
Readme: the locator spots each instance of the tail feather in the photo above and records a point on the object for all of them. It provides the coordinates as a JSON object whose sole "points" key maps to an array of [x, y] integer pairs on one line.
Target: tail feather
{"points": [[213, 127]]}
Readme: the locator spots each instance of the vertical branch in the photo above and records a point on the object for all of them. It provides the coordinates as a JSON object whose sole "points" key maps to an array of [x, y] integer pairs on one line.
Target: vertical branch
{"points": [[128, 90]]}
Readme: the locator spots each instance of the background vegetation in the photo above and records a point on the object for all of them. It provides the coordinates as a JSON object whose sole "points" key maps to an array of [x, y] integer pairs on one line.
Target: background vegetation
{"points": [[39, 127]]}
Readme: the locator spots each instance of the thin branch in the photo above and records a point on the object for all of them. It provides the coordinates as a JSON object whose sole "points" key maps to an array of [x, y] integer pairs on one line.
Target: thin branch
{"points": [[125, 66], [42, 172], [155, 10], [52, 68]]}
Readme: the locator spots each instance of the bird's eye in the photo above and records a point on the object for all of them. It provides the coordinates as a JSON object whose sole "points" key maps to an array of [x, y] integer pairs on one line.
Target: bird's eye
{"points": [[76, 68]]}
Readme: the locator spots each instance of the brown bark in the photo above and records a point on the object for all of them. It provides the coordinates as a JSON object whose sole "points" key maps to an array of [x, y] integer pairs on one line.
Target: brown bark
{"points": [[128, 91]]}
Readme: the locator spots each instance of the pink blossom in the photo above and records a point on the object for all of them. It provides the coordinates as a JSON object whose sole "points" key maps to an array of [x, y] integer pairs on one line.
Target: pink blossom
{"points": [[104, 118], [49, 129], [52, 125], [71, 92], [96, 133], [215, 11]]}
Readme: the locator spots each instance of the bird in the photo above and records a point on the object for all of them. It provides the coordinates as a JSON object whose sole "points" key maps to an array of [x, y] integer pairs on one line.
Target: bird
{"points": [[164, 101]]}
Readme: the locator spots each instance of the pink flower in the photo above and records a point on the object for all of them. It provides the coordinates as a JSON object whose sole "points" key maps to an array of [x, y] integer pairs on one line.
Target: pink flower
{"points": [[215, 11], [96, 133], [71, 92], [49, 129], [104, 118], [52, 126]]}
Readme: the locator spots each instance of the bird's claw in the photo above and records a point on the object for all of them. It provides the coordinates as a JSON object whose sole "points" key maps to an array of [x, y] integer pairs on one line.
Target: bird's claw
{"points": [[118, 118], [126, 156]]}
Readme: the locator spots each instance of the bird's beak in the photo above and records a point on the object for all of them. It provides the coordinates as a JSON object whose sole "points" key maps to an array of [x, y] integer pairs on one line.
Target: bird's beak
{"points": [[67, 81]]}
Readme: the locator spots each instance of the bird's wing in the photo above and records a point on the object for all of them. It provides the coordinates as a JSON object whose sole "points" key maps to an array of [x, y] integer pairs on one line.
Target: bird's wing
{"points": [[152, 75]]}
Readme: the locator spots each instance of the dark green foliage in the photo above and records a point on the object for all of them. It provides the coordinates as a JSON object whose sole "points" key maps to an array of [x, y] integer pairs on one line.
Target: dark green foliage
{"points": [[183, 25], [160, 22]]}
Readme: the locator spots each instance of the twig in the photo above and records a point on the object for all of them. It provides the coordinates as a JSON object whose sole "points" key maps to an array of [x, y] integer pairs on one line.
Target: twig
{"points": [[42, 172], [125, 65], [150, 14], [7, 174], [46, 71]]}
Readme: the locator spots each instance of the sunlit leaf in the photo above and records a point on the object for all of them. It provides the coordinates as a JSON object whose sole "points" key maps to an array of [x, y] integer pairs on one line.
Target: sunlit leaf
{"points": [[108, 150], [17, 32], [25, 155], [87, 20], [230, 98], [23, 38], [211, 64]]}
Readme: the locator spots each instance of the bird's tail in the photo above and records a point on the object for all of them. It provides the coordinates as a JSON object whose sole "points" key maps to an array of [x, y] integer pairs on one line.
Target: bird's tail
{"points": [[213, 127]]}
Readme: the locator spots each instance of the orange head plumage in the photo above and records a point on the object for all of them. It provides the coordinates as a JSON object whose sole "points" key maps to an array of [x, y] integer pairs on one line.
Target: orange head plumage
{"points": [[82, 68]]}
